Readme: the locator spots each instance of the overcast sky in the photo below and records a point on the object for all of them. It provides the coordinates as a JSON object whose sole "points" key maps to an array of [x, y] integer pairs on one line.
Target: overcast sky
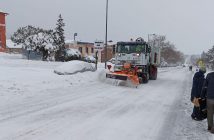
{"points": [[189, 24]]}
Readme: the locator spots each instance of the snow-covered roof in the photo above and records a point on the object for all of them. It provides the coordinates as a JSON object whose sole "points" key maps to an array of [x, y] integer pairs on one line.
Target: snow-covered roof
{"points": [[10, 44], [1, 11], [69, 41], [111, 43], [78, 42]]}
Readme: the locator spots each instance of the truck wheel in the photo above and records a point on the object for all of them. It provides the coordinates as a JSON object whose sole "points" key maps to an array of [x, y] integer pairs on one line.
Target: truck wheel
{"points": [[155, 76], [140, 80], [153, 73], [145, 78]]}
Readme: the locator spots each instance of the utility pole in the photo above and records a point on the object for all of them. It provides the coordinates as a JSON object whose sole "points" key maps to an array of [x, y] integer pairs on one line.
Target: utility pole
{"points": [[106, 36]]}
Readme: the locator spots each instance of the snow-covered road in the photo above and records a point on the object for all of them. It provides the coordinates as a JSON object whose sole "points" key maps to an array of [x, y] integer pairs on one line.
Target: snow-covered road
{"points": [[37, 104]]}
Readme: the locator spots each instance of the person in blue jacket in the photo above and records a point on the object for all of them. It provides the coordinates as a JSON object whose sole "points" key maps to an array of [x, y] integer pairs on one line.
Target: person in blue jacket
{"points": [[197, 85]]}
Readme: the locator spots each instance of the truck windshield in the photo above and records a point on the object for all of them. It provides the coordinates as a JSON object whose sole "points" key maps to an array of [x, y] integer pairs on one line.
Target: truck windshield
{"points": [[130, 48]]}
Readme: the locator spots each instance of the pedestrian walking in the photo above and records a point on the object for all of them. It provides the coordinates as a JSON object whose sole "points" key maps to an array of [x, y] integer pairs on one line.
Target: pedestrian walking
{"points": [[190, 68]]}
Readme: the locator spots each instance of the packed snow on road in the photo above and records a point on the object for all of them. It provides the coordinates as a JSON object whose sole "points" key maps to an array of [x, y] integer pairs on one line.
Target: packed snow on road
{"points": [[38, 104]]}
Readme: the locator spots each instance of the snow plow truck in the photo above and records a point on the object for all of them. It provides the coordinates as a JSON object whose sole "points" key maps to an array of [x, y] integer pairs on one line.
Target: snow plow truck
{"points": [[136, 61]]}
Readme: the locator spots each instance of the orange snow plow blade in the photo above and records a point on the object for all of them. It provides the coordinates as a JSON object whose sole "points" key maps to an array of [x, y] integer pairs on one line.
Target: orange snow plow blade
{"points": [[126, 74]]}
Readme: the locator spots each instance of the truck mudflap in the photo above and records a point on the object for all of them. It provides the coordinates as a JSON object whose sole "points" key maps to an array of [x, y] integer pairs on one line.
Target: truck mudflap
{"points": [[116, 76], [125, 77]]}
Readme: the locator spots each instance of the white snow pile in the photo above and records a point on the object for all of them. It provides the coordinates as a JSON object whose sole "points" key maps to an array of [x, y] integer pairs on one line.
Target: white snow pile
{"points": [[8, 56], [72, 52], [73, 67]]}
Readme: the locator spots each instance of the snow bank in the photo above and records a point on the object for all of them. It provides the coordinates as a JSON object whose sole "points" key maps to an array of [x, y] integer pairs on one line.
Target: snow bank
{"points": [[4, 56], [73, 67]]}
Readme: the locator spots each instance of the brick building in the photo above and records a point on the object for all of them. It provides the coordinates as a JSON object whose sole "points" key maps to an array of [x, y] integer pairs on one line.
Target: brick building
{"points": [[85, 48], [2, 31], [110, 52]]}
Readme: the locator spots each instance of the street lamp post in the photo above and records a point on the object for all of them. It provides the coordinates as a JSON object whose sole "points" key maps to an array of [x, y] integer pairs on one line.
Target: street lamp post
{"points": [[75, 43], [106, 36], [75, 34]]}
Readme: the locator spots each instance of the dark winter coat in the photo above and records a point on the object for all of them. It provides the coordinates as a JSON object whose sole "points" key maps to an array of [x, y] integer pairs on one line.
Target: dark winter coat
{"points": [[198, 81], [208, 87]]}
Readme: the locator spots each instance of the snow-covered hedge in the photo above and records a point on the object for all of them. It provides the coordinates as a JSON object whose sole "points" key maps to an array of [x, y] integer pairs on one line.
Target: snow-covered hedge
{"points": [[73, 67], [73, 52]]}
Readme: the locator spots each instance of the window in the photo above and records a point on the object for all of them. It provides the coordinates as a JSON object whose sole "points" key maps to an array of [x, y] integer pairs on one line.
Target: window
{"points": [[86, 49], [92, 50], [130, 48], [80, 49]]}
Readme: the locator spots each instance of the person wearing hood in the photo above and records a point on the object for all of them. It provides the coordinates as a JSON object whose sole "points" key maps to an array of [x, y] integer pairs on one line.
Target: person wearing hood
{"points": [[208, 93], [197, 85]]}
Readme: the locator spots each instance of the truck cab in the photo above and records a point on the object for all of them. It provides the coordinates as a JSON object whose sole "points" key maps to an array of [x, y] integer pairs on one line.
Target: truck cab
{"points": [[136, 57]]}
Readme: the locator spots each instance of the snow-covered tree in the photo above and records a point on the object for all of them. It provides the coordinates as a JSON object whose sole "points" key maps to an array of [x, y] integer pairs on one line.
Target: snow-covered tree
{"points": [[157, 40], [210, 54], [35, 39], [41, 42], [59, 39], [169, 53], [22, 33], [209, 57]]}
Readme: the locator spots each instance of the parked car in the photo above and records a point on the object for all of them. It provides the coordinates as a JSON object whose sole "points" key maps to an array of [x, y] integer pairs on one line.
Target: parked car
{"points": [[112, 60], [72, 54], [89, 59]]}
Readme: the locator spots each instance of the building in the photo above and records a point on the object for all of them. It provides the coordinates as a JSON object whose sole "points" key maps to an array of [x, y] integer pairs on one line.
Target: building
{"points": [[110, 52], [85, 48], [100, 48], [2, 31]]}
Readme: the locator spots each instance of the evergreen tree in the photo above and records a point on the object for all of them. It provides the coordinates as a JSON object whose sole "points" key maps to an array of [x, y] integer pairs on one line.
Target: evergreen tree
{"points": [[59, 39]]}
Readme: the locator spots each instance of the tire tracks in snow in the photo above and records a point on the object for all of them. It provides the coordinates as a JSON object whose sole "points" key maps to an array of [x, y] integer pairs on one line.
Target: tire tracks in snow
{"points": [[44, 126], [116, 106], [29, 107]]}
